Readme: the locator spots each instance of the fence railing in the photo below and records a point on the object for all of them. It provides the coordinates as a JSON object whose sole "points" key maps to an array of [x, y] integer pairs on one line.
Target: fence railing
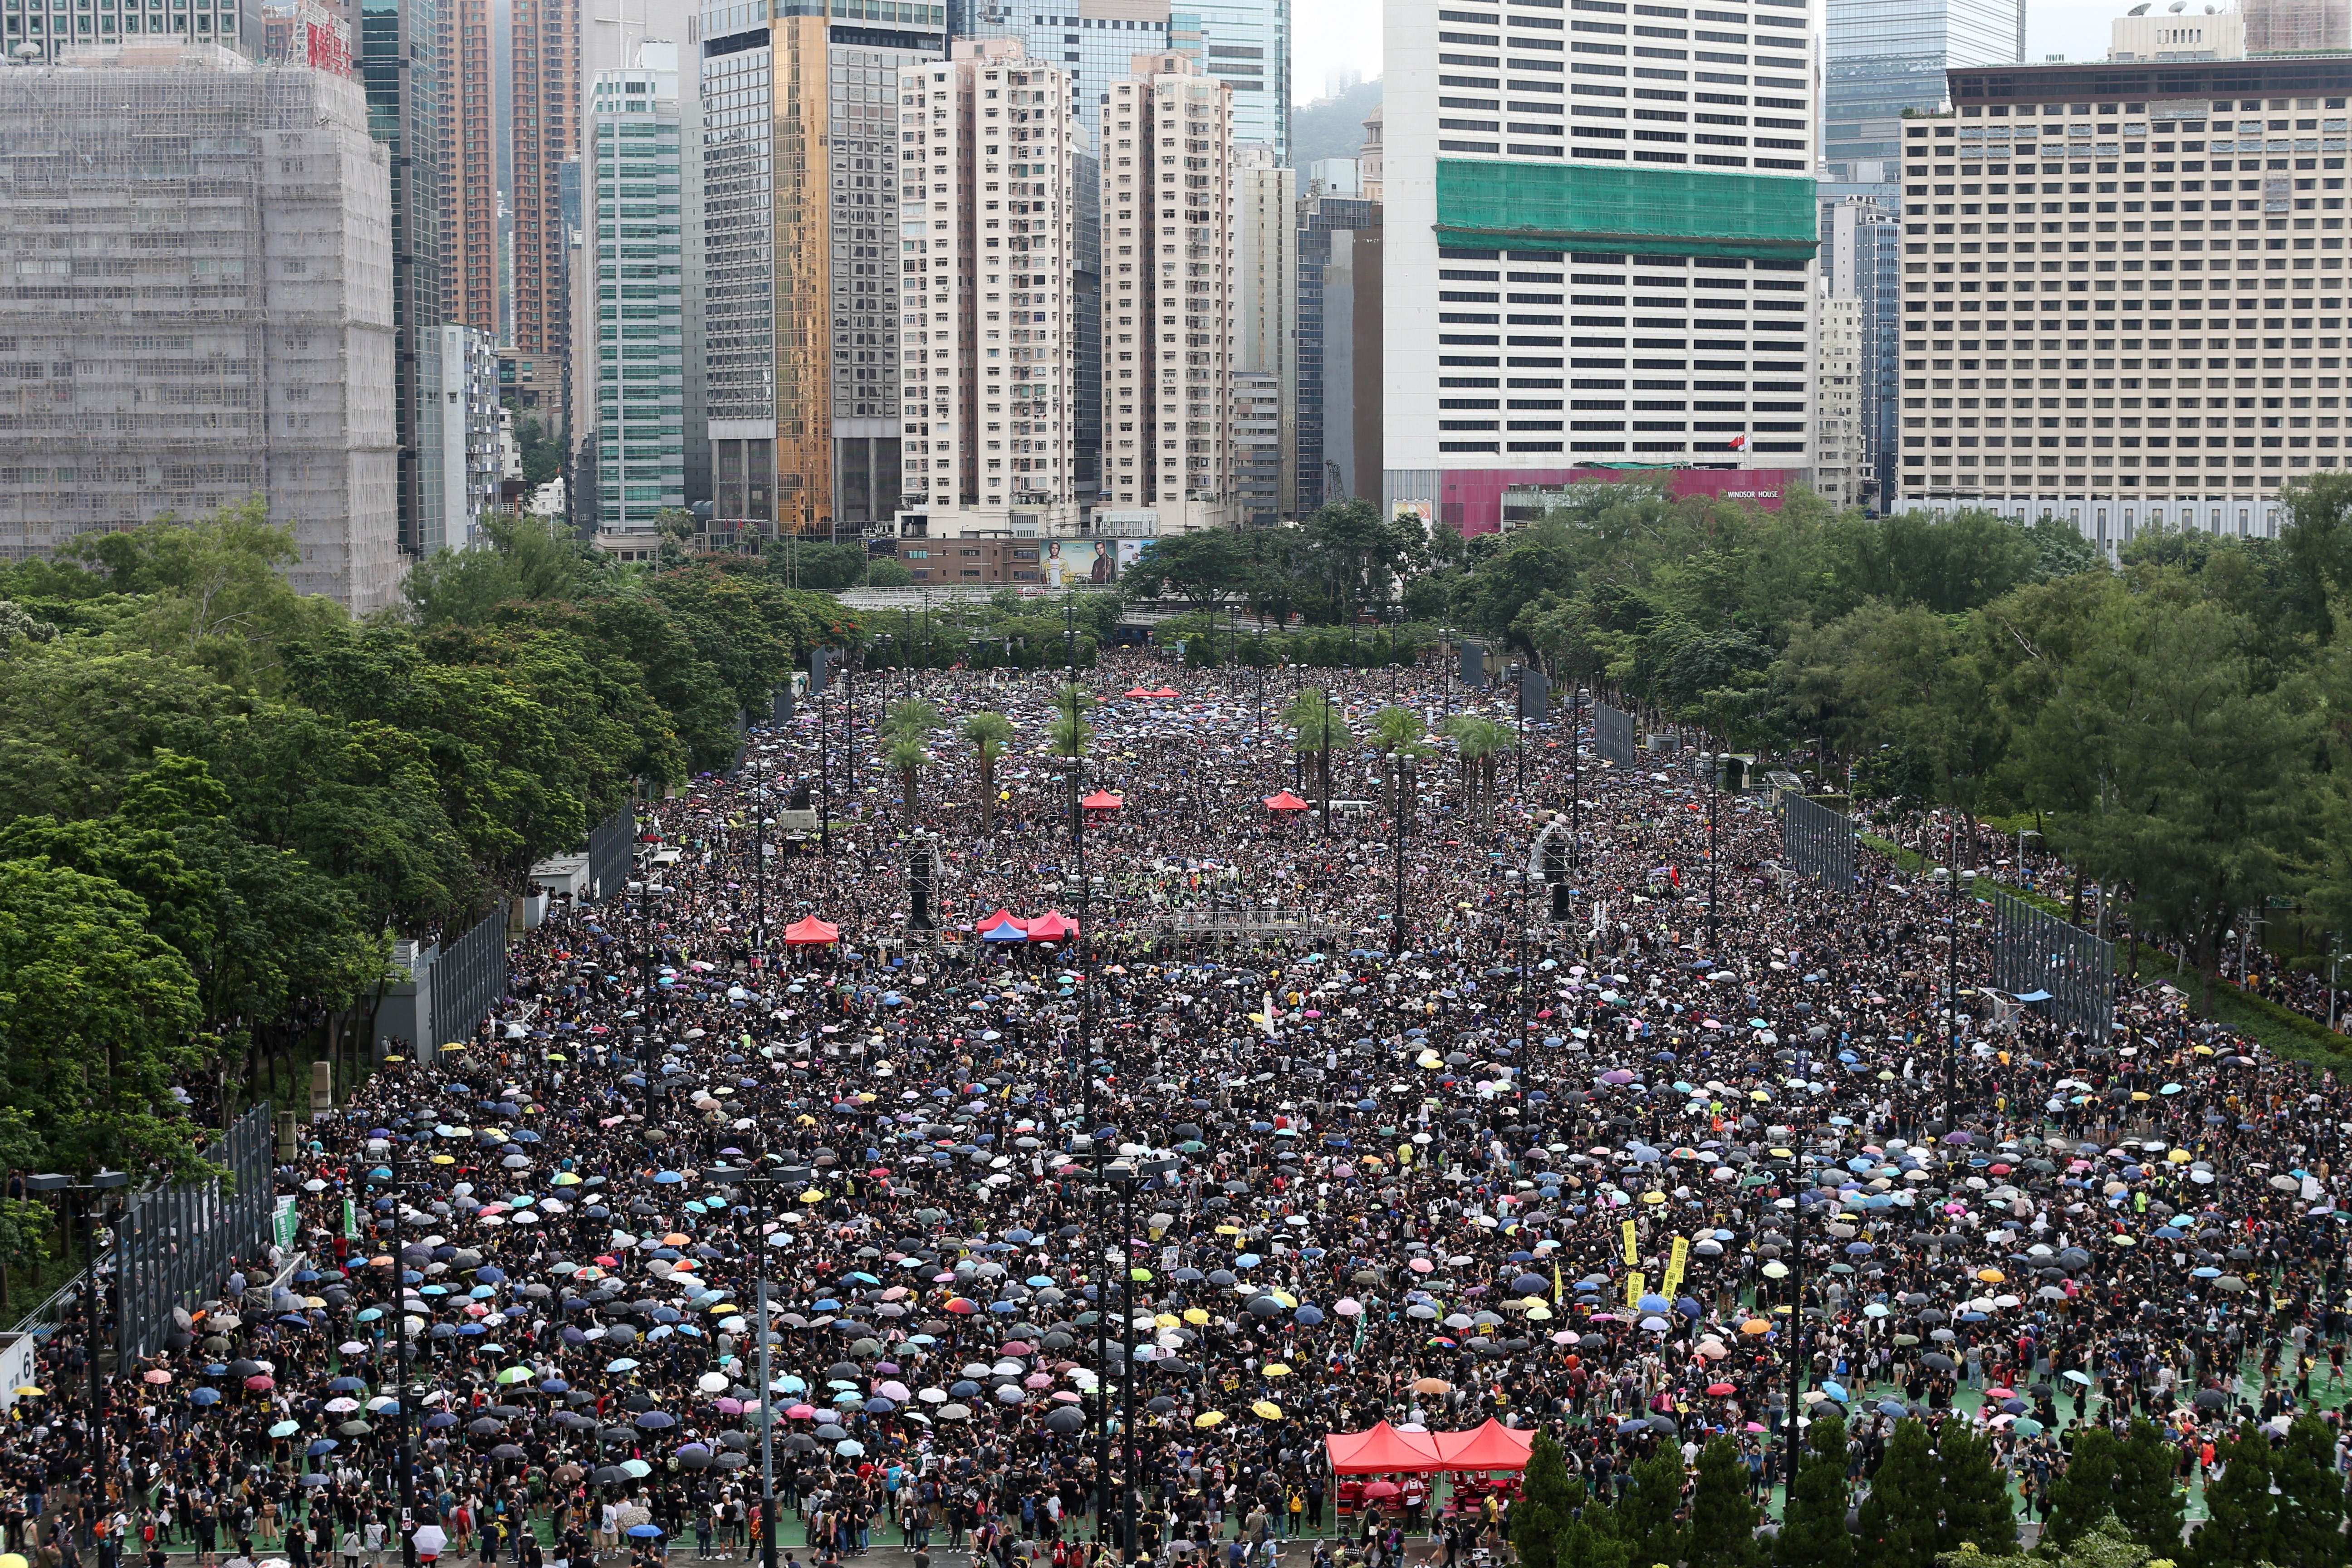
{"points": [[1613, 734], [1816, 841], [2034, 950], [177, 1244], [612, 843]]}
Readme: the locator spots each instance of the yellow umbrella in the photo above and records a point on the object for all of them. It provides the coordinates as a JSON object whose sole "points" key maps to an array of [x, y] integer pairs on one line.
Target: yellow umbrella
{"points": [[811, 1197], [29, 1390], [1267, 1409], [1276, 1369], [1755, 1326], [1195, 1316], [1209, 1418], [1991, 1275], [445, 1159], [1165, 1321], [2178, 1156]]}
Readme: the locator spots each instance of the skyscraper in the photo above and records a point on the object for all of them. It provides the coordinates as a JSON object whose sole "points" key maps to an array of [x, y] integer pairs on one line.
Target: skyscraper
{"points": [[544, 60], [1861, 260], [801, 299], [469, 188], [1321, 220], [1245, 44], [400, 65], [630, 364], [1266, 336], [1169, 294], [2182, 398], [1888, 56], [258, 359], [1609, 265], [989, 224]]}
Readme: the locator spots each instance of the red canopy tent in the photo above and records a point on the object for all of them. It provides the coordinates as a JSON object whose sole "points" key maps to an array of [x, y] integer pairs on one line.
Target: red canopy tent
{"points": [[810, 932], [1140, 691], [1052, 926], [1286, 801], [1103, 800], [1165, 691], [1493, 1447], [1382, 1450], [1001, 917]]}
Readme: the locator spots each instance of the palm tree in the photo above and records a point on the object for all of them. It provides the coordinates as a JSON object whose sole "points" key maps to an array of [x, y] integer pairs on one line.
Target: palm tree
{"points": [[989, 732], [1478, 741], [913, 718], [1396, 732], [1070, 737], [907, 755], [1320, 725]]}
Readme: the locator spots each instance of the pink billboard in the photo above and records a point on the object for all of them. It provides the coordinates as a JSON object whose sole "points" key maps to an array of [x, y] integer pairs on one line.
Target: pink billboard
{"points": [[1471, 499]]}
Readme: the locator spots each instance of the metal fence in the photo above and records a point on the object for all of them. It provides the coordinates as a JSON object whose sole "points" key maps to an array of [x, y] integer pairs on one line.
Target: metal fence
{"points": [[2033, 950], [469, 977], [175, 1245], [610, 845], [1613, 734], [1816, 841]]}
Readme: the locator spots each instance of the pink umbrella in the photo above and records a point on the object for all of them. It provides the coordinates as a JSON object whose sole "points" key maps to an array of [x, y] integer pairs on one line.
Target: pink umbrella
{"points": [[260, 1381], [800, 1411], [894, 1390]]}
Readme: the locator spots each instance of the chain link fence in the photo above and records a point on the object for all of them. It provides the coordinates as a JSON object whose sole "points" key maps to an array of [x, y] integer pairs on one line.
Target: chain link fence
{"points": [[2036, 954], [1816, 841]]}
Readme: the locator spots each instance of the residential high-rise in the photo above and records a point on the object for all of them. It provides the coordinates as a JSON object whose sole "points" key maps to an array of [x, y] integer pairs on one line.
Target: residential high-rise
{"points": [[2284, 26], [544, 100], [258, 360], [1245, 44], [469, 175], [1267, 331], [1259, 449], [1605, 265], [400, 65], [1371, 161], [987, 223], [1841, 443], [1168, 293], [630, 333], [472, 463], [1887, 57], [2122, 308], [802, 295], [1861, 260], [1320, 222]]}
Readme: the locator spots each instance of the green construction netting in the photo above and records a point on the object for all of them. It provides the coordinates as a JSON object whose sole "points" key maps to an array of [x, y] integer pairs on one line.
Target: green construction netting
{"points": [[1659, 212]]}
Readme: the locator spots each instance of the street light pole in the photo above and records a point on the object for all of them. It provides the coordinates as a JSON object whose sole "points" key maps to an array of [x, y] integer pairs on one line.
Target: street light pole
{"points": [[1406, 789], [759, 1182], [1713, 777]]}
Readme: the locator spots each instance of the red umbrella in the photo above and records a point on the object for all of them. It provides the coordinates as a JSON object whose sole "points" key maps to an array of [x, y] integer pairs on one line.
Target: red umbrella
{"points": [[810, 932], [1717, 1390], [1286, 801], [1103, 800]]}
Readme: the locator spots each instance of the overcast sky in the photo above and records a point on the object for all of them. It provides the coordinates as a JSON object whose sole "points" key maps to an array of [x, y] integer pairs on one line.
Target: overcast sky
{"points": [[1334, 35]]}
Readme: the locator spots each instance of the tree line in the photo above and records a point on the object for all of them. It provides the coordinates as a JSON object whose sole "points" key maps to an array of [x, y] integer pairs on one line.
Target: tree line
{"points": [[2171, 723], [225, 798]]}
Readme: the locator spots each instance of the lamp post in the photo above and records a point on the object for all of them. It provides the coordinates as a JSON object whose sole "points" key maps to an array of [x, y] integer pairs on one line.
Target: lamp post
{"points": [[1405, 790], [1951, 987], [1796, 1322], [759, 1183], [401, 1405], [1714, 780], [86, 1195]]}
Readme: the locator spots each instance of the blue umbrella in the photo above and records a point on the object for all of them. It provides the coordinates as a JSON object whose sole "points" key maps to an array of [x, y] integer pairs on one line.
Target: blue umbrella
{"points": [[203, 1396]]}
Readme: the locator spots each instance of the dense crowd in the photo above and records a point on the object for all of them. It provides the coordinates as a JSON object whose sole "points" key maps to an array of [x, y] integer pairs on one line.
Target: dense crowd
{"points": [[1161, 1204]]}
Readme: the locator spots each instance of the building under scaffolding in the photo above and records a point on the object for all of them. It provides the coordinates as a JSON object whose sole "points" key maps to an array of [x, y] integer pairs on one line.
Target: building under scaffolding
{"points": [[196, 306]]}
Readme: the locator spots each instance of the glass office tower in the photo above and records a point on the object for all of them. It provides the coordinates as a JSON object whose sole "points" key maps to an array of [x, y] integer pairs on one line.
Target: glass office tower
{"points": [[1888, 56]]}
